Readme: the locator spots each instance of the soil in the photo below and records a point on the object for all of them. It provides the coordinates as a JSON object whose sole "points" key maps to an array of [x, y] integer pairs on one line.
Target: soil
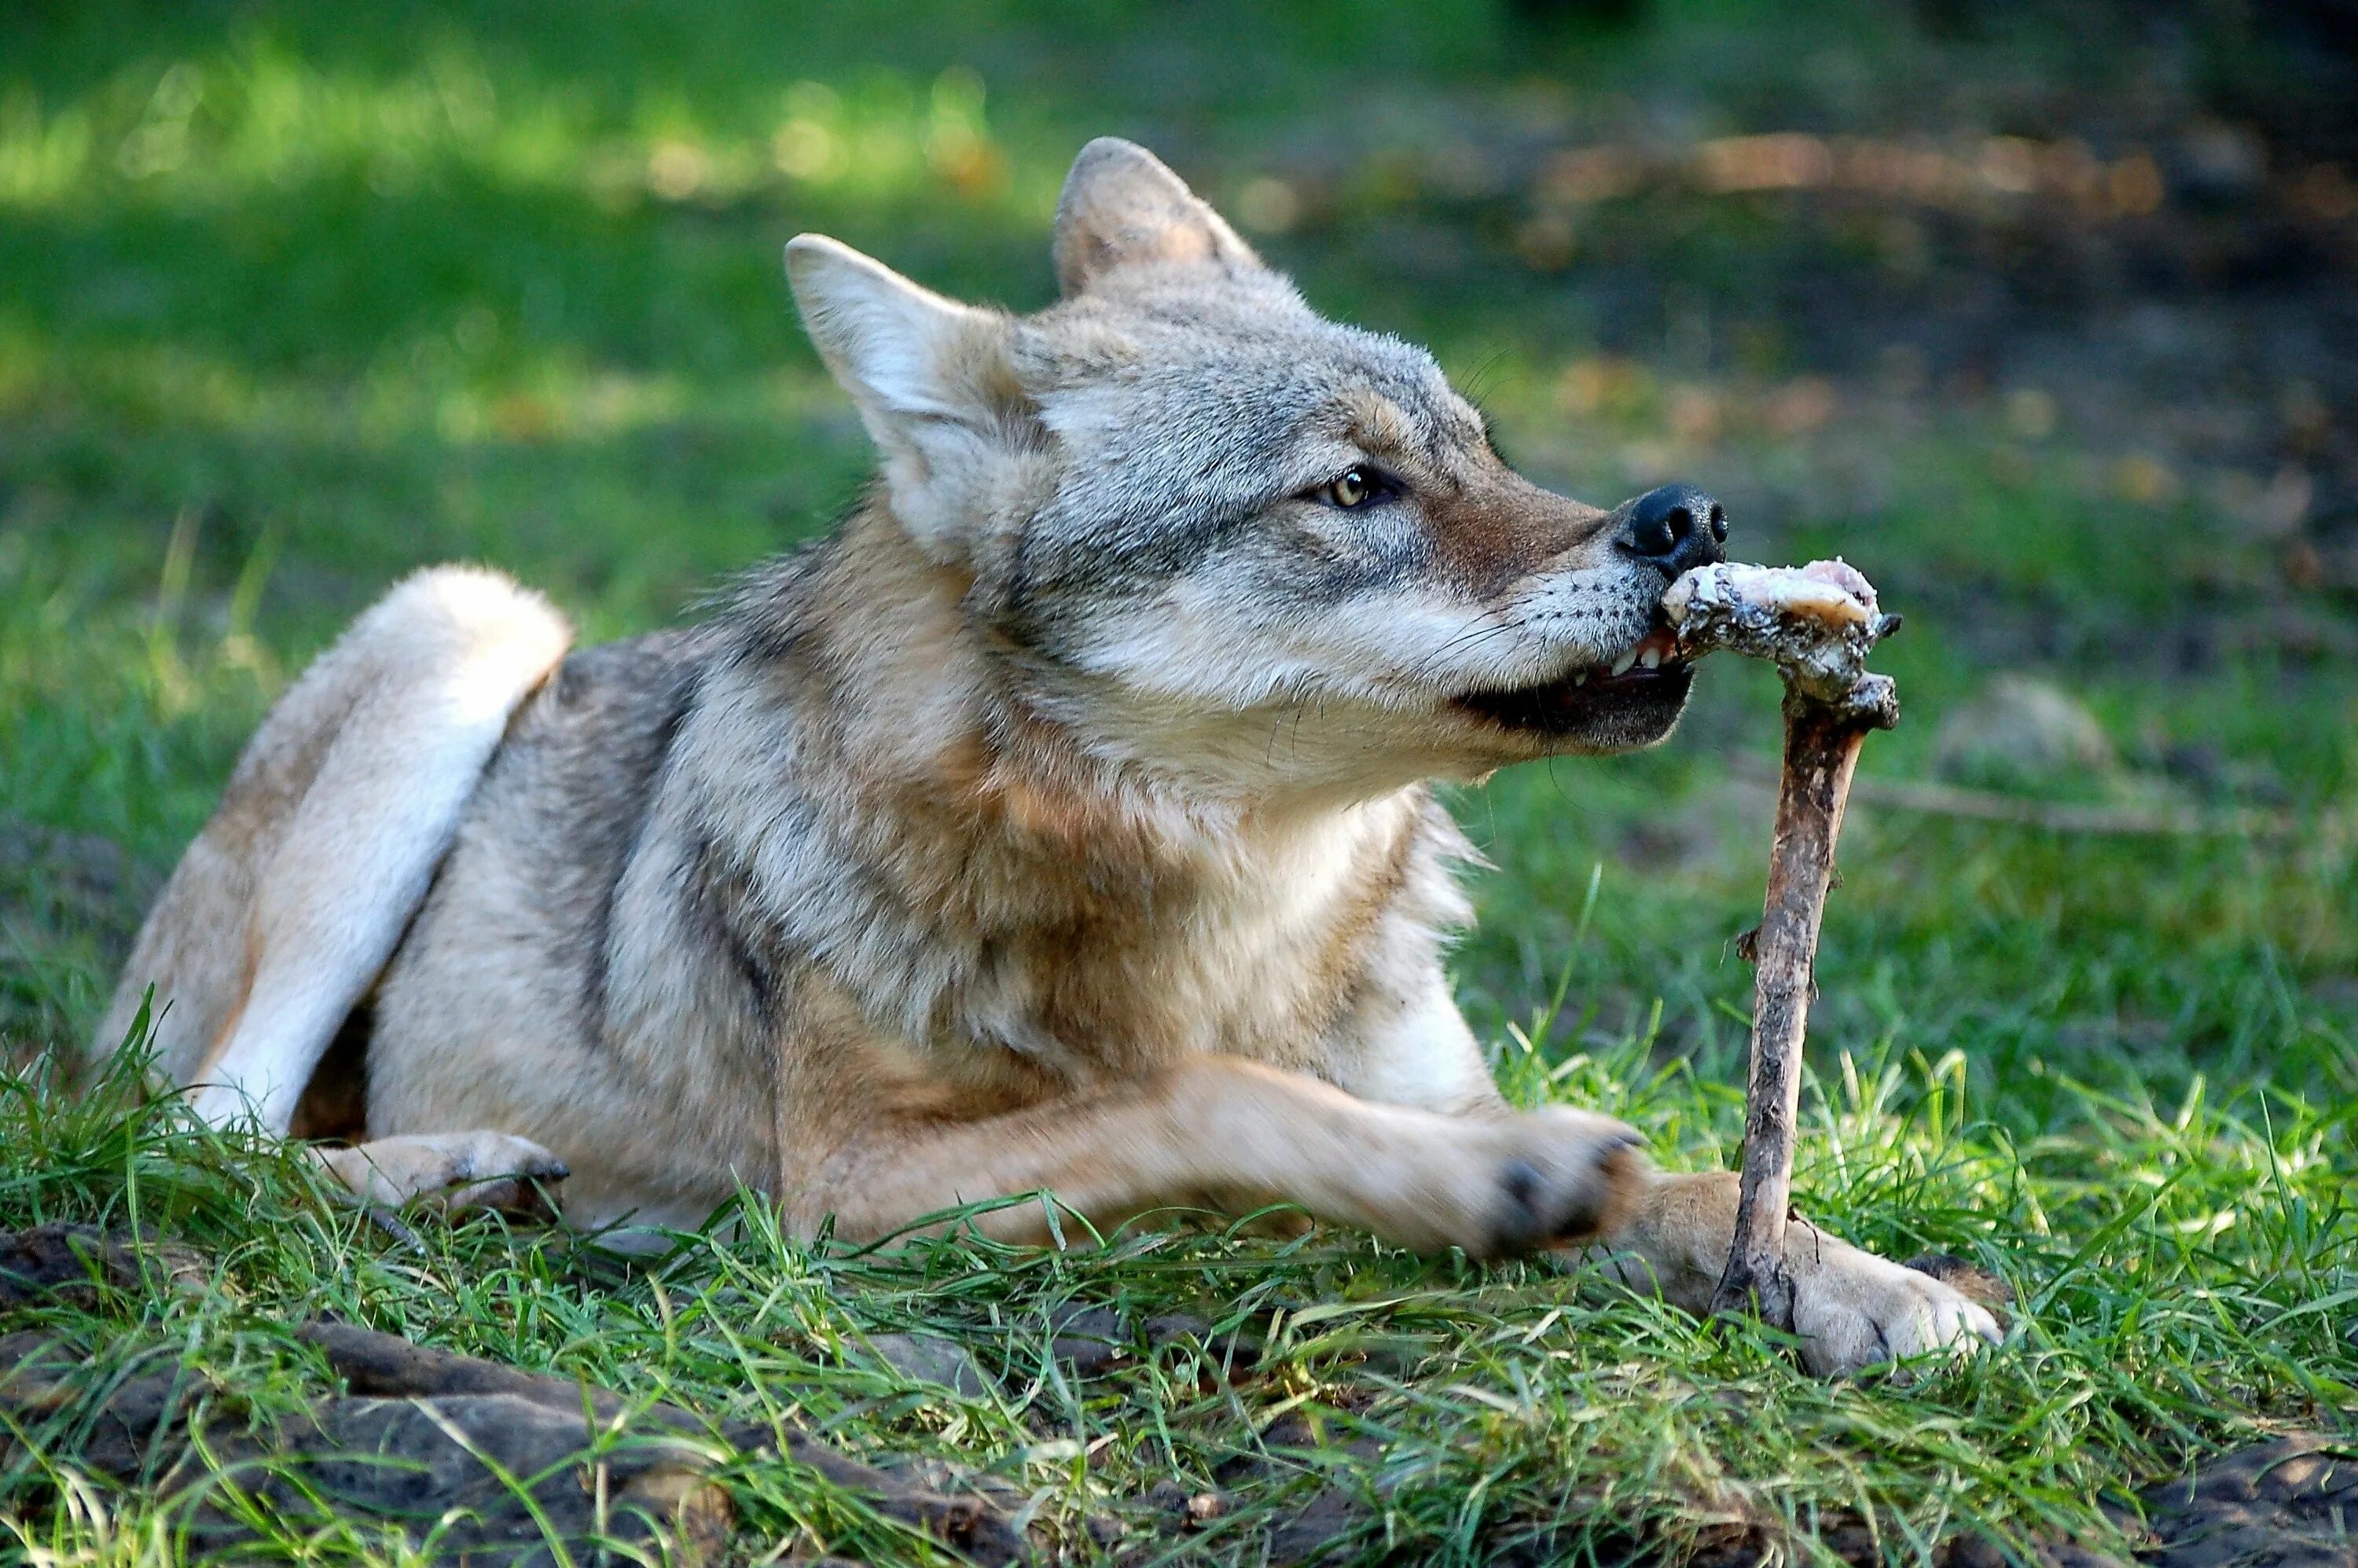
{"points": [[418, 1440]]}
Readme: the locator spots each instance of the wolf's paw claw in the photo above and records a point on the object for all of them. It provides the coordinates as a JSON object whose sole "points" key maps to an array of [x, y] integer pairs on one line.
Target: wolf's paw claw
{"points": [[1855, 1309]]}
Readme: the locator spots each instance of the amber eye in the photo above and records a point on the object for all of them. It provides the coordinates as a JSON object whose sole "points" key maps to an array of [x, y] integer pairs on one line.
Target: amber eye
{"points": [[1356, 487]]}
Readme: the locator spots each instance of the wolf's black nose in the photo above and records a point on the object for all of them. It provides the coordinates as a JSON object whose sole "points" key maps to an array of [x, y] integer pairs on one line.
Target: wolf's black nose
{"points": [[1677, 527]]}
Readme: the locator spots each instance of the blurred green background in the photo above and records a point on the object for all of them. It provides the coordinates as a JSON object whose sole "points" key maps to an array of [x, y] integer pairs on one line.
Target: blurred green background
{"points": [[2044, 314]]}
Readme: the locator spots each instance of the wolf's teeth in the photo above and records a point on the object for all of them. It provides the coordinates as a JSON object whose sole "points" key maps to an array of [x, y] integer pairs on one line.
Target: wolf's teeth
{"points": [[1652, 659], [1580, 677], [1621, 666]]}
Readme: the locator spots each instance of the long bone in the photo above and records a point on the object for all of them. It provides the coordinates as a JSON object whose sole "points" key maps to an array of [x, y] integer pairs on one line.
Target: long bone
{"points": [[1816, 623]]}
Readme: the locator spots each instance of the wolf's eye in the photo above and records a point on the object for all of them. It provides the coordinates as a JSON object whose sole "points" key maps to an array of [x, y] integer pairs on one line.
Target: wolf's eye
{"points": [[1356, 487]]}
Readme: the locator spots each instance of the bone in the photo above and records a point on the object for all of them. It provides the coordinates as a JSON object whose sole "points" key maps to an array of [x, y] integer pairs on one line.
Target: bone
{"points": [[1817, 624]]}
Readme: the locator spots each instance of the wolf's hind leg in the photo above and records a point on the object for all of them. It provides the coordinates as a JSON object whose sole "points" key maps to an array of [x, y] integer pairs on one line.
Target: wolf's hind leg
{"points": [[458, 1170], [289, 904]]}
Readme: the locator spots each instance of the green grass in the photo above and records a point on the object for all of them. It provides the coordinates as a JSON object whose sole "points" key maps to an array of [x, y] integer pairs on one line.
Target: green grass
{"points": [[294, 299]]}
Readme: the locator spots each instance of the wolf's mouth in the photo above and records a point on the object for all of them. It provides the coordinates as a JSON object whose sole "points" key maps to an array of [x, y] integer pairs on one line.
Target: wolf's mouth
{"points": [[1617, 703]]}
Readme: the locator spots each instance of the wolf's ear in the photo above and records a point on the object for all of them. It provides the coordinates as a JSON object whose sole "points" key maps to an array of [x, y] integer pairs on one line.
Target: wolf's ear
{"points": [[930, 377], [1122, 207]]}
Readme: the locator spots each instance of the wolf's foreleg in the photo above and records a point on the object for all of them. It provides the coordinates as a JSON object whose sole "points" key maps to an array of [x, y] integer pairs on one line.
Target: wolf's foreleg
{"points": [[1234, 1135], [291, 901], [1851, 1308]]}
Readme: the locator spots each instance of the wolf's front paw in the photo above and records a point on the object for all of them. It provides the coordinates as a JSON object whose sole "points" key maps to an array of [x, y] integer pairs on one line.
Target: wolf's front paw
{"points": [[451, 1170], [1561, 1175], [1853, 1308]]}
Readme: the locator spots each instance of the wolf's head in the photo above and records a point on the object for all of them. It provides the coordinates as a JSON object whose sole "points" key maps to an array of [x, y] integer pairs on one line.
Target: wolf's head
{"points": [[1217, 535]]}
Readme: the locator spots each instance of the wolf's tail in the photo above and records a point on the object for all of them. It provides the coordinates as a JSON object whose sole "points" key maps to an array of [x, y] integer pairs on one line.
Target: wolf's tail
{"points": [[289, 904]]}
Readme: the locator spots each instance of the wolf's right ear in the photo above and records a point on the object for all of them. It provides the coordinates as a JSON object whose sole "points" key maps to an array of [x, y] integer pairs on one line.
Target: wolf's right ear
{"points": [[1123, 207], [929, 376]]}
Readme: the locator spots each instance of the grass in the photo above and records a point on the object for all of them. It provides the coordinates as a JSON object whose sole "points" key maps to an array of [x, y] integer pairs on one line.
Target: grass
{"points": [[293, 299]]}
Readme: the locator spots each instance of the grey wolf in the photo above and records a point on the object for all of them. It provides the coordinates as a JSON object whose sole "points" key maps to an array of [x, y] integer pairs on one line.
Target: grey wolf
{"points": [[1062, 823]]}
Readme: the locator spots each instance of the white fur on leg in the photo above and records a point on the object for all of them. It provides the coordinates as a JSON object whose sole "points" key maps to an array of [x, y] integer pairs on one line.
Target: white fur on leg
{"points": [[445, 659]]}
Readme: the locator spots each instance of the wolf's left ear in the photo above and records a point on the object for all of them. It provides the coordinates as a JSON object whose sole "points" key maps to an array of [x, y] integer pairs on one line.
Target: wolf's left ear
{"points": [[930, 377], [1123, 207]]}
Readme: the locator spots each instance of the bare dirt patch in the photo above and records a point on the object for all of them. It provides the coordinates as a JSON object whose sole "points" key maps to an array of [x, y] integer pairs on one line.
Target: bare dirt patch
{"points": [[467, 1458]]}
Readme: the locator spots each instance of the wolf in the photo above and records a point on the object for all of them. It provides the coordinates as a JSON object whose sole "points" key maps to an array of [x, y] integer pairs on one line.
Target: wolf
{"points": [[1061, 825]]}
